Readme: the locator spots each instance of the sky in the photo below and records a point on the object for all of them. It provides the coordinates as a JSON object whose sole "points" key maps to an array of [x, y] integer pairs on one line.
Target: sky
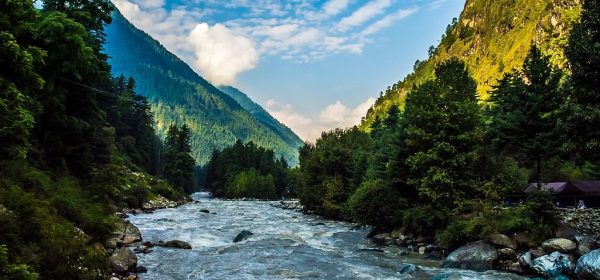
{"points": [[315, 65]]}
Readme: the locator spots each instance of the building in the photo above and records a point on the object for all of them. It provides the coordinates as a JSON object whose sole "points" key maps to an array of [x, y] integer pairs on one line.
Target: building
{"points": [[568, 194]]}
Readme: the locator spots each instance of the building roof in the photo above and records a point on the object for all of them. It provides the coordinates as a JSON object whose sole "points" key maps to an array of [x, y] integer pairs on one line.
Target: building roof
{"points": [[568, 188]]}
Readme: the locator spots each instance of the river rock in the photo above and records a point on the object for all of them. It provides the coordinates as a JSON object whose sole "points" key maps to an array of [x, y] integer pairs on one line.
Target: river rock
{"points": [[127, 233], [408, 269], [376, 250], [588, 266], [205, 211], [123, 260], [507, 253], [525, 260], [380, 238], [562, 245], [478, 256], [565, 231], [502, 241], [396, 233], [536, 253], [422, 250], [141, 269], [585, 244], [553, 265], [244, 234], [174, 244]]}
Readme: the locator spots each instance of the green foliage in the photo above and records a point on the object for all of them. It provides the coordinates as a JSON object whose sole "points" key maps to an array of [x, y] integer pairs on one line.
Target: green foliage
{"points": [[583, 52], [424, 219], [443, 129], [179, 166], [230, 171], [535, 218], [177, 95], [332, 169], [493, 38], [13, 271], [376, 203], [251, 183]]}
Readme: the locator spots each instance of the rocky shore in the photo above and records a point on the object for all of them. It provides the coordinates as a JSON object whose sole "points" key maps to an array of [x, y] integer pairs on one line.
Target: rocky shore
{"points": [[572, 254], [127, 236]]}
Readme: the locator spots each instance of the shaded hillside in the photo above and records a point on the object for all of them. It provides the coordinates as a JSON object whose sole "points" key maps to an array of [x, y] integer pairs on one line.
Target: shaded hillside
{"points": [[178, 95], [492, 37], [263, 116]]}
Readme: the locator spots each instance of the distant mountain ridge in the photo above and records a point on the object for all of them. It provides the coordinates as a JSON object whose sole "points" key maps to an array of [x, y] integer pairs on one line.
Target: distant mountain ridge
{"points": [[493, 38], [179, 95], [262, 115]]}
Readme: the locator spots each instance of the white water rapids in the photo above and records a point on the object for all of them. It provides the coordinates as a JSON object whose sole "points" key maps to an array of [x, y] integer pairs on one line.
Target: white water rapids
{"points": [[286, 245]]}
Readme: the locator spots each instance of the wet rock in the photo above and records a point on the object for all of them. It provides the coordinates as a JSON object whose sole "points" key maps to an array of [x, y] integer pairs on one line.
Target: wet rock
{"points": [[434, 255], [502, 241], [536, 253], [158, 203], [562, 245], [142, 249], [205, 211], [380, 238], [174, 244], [507, 253], [588, 266], [585, 244], [399, 242], [552, 265], [132, 277], [396, 233], [525, 260], [478, 256], [123, 260], [390, 241], [126, 233], [403, 252], [244, 234], [408, 269], [565, 231], [141, 269], [319, 224], [422, 250]]}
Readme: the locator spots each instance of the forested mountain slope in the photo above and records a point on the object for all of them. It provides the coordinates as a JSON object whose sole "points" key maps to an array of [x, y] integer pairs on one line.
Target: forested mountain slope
{"points": [[178, 95], [263, 116], [493, 38]]}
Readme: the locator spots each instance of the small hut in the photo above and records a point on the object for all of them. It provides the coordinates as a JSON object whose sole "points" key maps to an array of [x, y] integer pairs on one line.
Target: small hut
{"points": [[569, 194]]}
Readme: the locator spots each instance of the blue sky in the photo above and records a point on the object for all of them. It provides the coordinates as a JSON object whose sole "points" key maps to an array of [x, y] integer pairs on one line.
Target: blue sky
{"points": [[315, 65]]}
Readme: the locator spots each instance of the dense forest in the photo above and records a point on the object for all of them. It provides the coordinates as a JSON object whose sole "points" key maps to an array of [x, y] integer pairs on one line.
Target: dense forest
{"points": [[216, 117], [247, 170], [439, 167], [76, 144]]}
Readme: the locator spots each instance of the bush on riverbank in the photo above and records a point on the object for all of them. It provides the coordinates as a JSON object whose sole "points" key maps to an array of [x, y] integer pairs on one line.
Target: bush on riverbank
{"points": [[251, 184], [375, 203]]}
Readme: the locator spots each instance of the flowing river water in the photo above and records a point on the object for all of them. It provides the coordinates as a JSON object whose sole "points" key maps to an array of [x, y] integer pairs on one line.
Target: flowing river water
{"points": [[286, 245]]}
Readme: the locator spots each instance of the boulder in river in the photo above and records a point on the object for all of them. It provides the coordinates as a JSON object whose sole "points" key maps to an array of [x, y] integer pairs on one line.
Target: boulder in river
{"points": [[588, 266], [562, 245], [123, 260], [174, 244], [553, 265], [380, 238], [502, 241], [525, 260], [478, 256], [205, 211], [585, 244], [127, 233], [244, 234]]}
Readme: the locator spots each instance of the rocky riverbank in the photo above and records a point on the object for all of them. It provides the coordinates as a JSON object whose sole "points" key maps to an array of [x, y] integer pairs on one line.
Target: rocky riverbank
{"points": [[573, 253], [126, 236]]}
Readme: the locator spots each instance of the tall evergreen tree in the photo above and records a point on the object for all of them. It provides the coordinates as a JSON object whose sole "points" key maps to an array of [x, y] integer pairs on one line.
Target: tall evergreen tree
{"points": [[583, 52], [442, 126], [525, 113]]}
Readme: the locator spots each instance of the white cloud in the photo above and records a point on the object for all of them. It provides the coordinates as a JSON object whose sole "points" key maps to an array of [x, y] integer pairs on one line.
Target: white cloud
{"points": [[336, 115], [363, 14], [219, 43], [220, 54], [387, 21]]}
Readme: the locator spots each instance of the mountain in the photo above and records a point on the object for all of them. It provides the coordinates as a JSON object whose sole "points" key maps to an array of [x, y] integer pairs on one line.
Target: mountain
{"points": [[493, 38], [262, 115], [177, 94]]}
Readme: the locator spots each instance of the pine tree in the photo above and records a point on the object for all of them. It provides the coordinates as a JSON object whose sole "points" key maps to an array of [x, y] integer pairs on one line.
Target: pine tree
{"points": [[442, 126], [583, 53]]}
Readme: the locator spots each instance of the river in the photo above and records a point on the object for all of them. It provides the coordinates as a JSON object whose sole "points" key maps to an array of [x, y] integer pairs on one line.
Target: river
{"points": [[286, 245]]}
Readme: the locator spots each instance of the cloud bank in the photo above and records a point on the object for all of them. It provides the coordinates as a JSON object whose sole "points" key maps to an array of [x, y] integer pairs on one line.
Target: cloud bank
{"points": [[221, 39], [336, 115]]}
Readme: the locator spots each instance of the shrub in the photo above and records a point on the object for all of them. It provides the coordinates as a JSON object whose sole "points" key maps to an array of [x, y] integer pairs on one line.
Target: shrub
{"points": [[376, 203], [424, 219], [251, 184]]}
